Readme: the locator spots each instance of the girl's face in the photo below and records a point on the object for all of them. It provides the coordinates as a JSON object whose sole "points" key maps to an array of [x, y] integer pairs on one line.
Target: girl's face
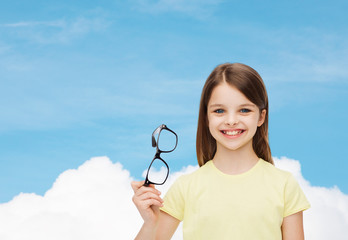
{"points": [[233, 119]]}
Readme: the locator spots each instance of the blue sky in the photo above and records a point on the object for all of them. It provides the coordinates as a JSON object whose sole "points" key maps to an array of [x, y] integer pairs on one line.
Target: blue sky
{"points": [[86, 79]]}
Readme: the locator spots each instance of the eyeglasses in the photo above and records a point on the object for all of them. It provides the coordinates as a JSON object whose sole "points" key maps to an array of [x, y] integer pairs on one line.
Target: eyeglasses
{"points": [[158, 170]]}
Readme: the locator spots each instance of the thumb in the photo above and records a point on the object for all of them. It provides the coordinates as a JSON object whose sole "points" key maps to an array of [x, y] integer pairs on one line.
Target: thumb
{"points": [[136, 185]]}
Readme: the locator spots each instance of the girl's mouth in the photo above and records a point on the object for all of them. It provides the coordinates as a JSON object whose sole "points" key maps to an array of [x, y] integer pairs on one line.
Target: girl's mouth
{"points": [[232, 132]]}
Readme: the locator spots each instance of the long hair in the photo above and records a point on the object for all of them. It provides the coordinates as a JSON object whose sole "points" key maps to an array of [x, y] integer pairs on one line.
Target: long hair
{"points": [[250, 83]]}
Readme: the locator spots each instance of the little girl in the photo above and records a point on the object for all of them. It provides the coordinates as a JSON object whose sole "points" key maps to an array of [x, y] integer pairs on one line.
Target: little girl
{"points": [[237, 193]]}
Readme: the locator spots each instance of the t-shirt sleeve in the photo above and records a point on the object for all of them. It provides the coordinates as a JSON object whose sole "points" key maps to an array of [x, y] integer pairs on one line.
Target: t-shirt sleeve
{"points": [[174, 200], [294, 198]]}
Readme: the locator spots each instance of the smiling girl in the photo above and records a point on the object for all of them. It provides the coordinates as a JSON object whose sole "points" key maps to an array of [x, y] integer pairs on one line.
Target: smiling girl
{"points": [[237, 193]]}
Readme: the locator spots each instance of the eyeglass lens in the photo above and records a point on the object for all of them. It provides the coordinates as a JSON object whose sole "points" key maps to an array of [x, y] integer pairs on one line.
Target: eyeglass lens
{"points": [[166, 140], [158, 171]]}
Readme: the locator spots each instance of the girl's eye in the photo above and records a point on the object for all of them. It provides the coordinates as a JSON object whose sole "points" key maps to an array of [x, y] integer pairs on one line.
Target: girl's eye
{"points": [[219, 111], [245, 110]]}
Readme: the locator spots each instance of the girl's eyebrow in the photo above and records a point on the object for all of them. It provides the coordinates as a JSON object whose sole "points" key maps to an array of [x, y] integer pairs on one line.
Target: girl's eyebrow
{"points": [[221, 105], [247, 105], [215, 105]]}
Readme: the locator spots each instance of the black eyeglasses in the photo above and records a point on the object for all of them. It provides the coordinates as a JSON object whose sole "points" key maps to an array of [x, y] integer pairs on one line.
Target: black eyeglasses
{"points": [[158, 170]]}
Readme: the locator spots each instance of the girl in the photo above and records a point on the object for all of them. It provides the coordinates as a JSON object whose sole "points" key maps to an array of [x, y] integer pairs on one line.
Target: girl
{"points": [[237, 193]]}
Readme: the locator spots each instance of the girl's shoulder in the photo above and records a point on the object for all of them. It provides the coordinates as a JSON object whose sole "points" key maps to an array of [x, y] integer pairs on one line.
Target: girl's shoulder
{"points": [[275, 173], [192, 174]]}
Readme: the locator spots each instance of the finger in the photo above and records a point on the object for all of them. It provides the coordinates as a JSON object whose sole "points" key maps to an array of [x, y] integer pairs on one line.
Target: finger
{"points": [[145, 196], [140, 199], [149, 195], [136, 185], [151, 202], [152, 185], [144, 189]]}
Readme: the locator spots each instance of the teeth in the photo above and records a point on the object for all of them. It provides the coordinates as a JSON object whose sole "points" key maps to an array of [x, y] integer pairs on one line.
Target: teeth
{"points": [[232, 133]]}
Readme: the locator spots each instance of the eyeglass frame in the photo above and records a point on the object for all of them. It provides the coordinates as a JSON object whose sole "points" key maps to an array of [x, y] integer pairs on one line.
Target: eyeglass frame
{"points": [[158, 131]]}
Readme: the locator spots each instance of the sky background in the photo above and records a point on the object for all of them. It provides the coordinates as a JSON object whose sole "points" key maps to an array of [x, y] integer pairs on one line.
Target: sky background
{"points": [[85, 79]]}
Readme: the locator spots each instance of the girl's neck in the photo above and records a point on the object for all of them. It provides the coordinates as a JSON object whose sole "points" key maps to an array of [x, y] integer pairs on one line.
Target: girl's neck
{"points": [[234, 162]]}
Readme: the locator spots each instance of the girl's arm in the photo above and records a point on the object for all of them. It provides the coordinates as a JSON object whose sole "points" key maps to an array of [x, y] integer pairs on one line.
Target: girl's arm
{"points": [[157, 224], [164, 230], [292, 227]]}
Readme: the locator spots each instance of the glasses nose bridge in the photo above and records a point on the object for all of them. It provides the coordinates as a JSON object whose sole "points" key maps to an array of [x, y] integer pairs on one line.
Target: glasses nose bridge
{"points": [[158, 153]]}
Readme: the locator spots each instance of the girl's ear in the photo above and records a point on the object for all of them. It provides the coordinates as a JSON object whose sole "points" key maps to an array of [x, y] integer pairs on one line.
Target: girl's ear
{"points": [[262, 118]]}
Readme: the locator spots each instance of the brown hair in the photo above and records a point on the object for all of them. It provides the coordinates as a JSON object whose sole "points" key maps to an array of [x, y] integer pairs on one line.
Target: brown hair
{"points": [[250, 83]]}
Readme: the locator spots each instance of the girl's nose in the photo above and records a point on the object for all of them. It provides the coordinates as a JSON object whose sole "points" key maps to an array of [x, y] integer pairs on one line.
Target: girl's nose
{"points": [[231, 120]]}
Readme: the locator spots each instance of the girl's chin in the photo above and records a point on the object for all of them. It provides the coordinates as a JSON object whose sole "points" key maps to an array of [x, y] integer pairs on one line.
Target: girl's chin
{"points": [[234, 145]]}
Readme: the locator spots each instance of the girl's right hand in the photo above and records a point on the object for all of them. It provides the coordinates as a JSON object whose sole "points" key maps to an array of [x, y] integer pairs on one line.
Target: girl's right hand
{"points": [[148, 201]]}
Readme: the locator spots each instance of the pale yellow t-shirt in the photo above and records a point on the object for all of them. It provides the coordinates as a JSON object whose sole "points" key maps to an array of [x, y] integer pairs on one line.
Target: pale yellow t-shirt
{"points": [[250, 206]]}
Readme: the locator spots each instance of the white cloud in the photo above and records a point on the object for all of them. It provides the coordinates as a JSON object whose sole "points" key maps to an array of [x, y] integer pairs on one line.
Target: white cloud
{"points": [[196, 8], [328, 216], [65, 103], [91, 202], [94, 202], [59, 23], [305, 54], [56, 31]]}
